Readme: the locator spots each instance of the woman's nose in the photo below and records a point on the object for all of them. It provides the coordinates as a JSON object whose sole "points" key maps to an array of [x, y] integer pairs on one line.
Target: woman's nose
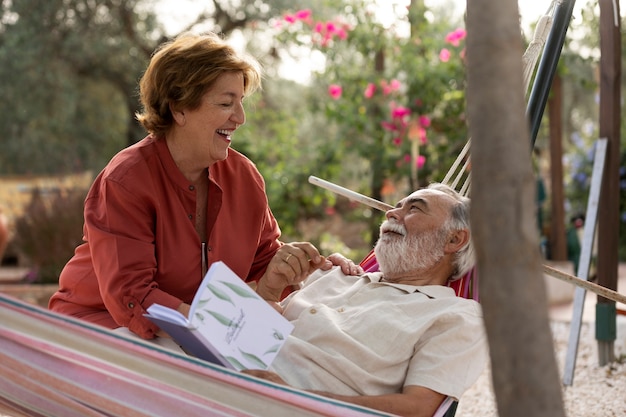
{"points": [[239, 115]]}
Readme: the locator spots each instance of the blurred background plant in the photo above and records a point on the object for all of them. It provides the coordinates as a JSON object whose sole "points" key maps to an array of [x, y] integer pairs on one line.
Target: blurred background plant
{"points": [[48, 232], [367, 94]]}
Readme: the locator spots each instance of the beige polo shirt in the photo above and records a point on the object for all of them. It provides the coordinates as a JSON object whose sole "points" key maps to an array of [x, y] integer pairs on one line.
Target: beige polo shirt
{"points": [[359, 336]]}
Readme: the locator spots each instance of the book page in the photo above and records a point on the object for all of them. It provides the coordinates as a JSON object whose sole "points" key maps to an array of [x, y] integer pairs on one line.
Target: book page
{"points": [[168, 314], [237, 321]]}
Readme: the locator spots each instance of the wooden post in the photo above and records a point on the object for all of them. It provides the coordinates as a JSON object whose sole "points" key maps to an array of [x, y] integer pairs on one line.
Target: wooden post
{"points": [[608, 225], [558, 247]]}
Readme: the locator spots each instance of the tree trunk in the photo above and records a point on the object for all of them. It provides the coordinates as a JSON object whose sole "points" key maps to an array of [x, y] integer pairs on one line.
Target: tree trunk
{"points": [[525, 374]]}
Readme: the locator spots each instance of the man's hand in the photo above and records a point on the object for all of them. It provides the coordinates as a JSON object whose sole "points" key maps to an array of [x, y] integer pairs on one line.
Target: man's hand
{"points": [[348, 266], [267, 375]]}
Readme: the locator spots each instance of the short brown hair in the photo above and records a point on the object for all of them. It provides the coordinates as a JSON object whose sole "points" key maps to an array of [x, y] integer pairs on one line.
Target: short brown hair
{"points": [[181, 71]]}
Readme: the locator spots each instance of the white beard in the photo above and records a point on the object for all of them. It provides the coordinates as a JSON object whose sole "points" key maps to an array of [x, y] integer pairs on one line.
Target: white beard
{"points": [[401, 254]]}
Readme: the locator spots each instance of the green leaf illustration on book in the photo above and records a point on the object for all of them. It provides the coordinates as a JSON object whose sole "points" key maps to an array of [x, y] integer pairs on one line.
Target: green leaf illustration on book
{"points": [[202, 303], [278, 335], [219, 293], [254, 359], [235, 362], [200, 317], [273, 349], [222, 319], [242, 292]]}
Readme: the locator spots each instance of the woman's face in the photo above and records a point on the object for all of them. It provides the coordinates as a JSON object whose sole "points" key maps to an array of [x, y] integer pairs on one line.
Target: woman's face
{"points": [[207, 130]]}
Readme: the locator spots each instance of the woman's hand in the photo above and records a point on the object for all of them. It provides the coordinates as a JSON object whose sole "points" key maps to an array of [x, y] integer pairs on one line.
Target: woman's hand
{"points": [[290, 265]]}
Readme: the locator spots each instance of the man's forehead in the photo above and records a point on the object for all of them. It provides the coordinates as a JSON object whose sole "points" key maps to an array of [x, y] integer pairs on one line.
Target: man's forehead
{"points": [[428, 195]]}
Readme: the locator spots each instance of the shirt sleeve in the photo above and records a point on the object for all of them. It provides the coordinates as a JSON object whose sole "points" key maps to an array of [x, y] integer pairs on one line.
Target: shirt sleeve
{"points": [[451, 355], [119, 227]]}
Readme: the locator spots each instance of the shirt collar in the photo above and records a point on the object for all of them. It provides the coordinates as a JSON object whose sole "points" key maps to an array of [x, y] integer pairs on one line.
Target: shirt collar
{"points": [[432, 291]]}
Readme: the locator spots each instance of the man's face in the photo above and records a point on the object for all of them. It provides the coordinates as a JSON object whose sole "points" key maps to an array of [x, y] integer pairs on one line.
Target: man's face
{"points": [[412, 237]]}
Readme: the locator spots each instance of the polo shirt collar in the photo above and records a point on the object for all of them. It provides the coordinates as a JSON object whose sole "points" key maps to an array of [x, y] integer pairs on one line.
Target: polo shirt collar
{"points": [[432, 291]]}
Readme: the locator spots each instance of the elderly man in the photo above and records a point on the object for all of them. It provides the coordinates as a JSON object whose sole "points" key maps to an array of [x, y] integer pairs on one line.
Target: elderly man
{"points": [[398, 340]]}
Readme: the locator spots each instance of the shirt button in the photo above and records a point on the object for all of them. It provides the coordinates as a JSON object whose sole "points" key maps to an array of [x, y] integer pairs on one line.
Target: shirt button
{"points": [[191, 188], [313, 311], [190, 216], [340, 309], [131, 305]]}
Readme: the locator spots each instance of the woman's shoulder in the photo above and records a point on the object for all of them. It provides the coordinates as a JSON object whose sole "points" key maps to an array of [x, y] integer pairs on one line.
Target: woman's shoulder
{"points": [[239, 165], [134, 157]]}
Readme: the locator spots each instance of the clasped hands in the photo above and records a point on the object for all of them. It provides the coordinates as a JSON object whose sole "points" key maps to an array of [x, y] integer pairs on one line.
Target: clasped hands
{"points": [[294, 262]]}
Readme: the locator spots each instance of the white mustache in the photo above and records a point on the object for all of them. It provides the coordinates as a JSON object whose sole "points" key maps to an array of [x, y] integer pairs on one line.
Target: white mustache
{"points": [[388, 226]]}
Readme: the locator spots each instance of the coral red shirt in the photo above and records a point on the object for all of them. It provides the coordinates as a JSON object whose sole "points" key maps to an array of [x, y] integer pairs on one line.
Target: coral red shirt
{"points": [[141, 246]]}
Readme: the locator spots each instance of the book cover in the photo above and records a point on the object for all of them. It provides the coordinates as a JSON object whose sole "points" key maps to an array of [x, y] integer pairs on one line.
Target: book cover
{"points": [[229, 323]]}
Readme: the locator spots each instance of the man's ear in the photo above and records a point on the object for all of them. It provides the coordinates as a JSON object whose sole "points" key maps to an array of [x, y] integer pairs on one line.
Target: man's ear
{"points": [[457, 241]]}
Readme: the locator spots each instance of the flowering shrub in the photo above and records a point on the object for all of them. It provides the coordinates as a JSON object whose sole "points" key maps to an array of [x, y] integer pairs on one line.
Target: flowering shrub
{"points": [[394, 104]]}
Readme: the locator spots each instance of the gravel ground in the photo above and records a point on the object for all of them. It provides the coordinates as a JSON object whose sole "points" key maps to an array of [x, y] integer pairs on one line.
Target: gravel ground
{"points": [[596, 391]]}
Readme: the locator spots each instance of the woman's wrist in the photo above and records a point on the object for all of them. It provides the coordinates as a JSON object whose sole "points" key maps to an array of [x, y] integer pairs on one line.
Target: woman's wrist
{"points": [[268, 293]]}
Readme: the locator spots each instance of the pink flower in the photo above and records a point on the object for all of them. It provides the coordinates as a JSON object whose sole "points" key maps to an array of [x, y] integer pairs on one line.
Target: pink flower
{"points": [[395, 85], [397, 141], [421, 160], [400, 112], [424, 121], [341, 34], [369, 90], [335, 91], [303, 14], [289, 18], [326, 39], [386, 87], [444, 55], [455, 37], [389, 126], [319, 27], [422, 136]]}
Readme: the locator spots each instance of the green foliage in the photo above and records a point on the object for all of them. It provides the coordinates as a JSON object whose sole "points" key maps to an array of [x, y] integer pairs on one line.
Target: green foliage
{"points": [[49, 231], [68, 77], [70, 69], [270, 137], [394, 108], [365, 54]]}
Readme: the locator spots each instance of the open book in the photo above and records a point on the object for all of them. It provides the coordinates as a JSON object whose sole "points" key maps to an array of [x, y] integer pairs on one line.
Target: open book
{"points": [[229, 324]]}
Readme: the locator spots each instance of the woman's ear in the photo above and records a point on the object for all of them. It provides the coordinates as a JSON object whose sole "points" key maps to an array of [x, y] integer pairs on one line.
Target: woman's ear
{"points": [[178, 115]]}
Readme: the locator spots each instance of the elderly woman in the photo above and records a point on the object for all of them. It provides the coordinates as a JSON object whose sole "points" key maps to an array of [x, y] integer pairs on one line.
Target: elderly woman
{"points": [[165, 208]]}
